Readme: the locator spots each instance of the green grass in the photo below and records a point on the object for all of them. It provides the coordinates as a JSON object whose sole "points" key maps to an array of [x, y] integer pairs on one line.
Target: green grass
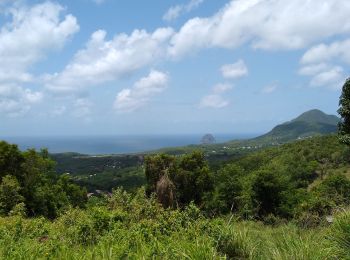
{"points": [[134, 227]]}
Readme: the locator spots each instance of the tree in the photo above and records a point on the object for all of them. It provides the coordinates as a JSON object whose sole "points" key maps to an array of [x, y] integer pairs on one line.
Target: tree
{"points": [[344, 112], [155, 167], [227, 191], [165, 191], [76, 195], [192, 179], [187, 176], [29, 184], [268, 189], [10, 160], [9, 194]]}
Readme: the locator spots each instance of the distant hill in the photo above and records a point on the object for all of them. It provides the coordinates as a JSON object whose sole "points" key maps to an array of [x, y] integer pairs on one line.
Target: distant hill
{"points": [[317, 116], [208, 139], [310, 123]]}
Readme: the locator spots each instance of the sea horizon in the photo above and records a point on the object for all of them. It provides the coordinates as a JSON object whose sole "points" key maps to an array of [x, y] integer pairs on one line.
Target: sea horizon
{"points": [[113, 144]]}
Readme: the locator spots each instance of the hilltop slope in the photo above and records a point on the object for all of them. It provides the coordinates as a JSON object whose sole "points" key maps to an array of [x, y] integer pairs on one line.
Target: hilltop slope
{"points": [[310, 123]]}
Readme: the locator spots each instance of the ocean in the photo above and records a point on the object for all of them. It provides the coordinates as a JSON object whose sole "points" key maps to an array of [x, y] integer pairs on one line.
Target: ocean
{"points": [[119, 144]]}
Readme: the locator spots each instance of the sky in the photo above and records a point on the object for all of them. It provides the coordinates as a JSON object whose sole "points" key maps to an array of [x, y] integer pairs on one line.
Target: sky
{"points": [[110, 67]]}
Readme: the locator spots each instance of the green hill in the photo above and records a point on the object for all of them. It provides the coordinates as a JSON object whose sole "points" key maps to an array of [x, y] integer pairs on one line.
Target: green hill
{"points": [[310, 123], [317, 116]]}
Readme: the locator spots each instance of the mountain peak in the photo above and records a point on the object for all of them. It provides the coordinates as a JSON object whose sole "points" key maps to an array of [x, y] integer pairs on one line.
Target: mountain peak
{"points": [[317, 116], [310, 123]]}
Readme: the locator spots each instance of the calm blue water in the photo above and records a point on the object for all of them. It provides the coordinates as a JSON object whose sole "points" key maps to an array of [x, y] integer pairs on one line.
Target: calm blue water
{"points": [[112, 144]]}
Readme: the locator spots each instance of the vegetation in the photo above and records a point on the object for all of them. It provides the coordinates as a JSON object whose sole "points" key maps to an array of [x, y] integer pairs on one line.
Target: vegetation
{"points": [[188, 177], [137, 227], [103, 172], [304, 182], [344, 111], [308, 124], [29, 186]]}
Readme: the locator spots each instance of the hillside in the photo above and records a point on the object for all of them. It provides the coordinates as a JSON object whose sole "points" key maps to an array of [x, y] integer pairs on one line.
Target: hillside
{"points": [[310, 123], [317, 116]]}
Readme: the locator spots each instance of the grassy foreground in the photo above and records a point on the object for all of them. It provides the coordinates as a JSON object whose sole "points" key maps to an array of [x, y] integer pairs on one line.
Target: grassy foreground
{"points": [[135, 227]]}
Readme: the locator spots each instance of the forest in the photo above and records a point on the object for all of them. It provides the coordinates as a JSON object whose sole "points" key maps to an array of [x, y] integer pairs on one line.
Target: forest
{"points": [[289, 201]]}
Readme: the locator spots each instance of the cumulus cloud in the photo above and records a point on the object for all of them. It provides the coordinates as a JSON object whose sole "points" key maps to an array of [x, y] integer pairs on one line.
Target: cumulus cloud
{"points": [[107, 60], [216, 99], [15, 100], [175, 11], [131, 99], [273, 24], [331, 78], [324, 75], [324, 53], [235, 70], [321, 62], [313, 69], [31, 33], [28, 34]]}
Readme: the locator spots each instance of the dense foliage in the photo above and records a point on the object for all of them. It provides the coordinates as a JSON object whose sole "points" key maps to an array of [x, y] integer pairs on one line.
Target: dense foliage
{"points": [[127, 226], [29, 185], [344, 111], [305, 181], [188, 177]]}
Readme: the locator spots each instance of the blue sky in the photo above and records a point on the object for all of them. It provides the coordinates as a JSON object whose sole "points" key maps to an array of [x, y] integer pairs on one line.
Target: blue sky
{"points": [[93, 67]]}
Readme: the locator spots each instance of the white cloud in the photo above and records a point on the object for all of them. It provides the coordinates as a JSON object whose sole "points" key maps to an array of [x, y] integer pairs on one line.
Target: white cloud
{"points": [[28, 34], [235, 70], [270, 88], [216, 99], [139, 95], [322, 63], [15, 100], [324, 75], [331, 78], [324, 53], [264, 24], [313, 69], [31, 33], [175, 11], [102, 60], [213, 101], [33, 97], [193, 4], [221, 88]]}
